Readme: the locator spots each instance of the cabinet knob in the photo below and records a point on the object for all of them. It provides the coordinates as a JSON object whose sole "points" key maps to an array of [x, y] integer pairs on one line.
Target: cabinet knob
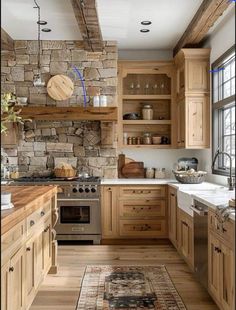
{"points": [[47, 228], [173, 195], [42, 213], [182, 141], [28, 249], [32, 223], [224, 230], [11, 269]]}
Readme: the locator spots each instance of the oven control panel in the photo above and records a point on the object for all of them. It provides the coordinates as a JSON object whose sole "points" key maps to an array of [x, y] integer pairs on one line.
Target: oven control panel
{"points": [[81, 191]]}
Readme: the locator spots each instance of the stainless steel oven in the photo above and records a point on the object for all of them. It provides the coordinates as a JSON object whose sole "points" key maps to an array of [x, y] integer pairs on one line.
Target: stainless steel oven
{"points": [[79, 219]]}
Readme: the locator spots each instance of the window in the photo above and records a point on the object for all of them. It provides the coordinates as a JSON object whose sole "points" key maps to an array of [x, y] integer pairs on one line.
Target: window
{"points": [[223, 110]]}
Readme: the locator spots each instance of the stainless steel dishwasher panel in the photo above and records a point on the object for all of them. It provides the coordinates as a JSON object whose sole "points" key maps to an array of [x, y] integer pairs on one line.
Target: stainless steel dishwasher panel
{"points": [[200, 219]]}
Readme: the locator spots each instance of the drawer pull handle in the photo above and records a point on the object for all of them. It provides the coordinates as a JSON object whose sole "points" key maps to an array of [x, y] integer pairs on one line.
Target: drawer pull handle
{"points": [[184, 223], [224, 230], [42, 213], [173, 195], [47, 228], [32, 223], [28, 249], [11, 269]]}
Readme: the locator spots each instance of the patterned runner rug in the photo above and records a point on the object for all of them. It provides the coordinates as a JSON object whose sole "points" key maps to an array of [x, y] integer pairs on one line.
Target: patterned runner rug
{"points": [[128, 287]]}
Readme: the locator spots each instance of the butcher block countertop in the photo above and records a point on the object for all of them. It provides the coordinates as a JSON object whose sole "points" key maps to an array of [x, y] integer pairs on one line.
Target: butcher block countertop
{"points": [[26, 199]]}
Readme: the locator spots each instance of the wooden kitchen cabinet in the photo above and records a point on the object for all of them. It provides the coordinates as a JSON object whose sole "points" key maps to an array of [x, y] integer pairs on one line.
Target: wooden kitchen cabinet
{"points": [[193, 98], [109, 212], [221, 264], [153, 83], [172, 215], [26, 248], [137, 211], [16, 282], [185, 237]]}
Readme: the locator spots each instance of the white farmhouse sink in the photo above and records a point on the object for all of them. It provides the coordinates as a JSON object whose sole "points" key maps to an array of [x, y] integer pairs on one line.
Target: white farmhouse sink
{"points": [[185, 195]]}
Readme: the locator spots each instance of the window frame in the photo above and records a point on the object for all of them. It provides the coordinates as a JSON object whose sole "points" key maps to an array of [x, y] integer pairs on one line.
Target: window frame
{"points": [[227, 102]]}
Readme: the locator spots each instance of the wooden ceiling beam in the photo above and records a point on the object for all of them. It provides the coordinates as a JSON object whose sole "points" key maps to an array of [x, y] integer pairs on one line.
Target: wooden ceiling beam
{"points": [[7, 43], [87, 18], [205, 17]]}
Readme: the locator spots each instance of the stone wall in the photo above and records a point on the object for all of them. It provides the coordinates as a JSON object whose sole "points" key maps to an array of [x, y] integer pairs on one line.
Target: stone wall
{"points": [[44, 144]]}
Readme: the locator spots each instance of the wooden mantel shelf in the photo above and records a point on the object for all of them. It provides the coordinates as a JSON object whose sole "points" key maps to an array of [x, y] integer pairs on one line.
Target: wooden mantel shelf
{"points": [[69, 113]]}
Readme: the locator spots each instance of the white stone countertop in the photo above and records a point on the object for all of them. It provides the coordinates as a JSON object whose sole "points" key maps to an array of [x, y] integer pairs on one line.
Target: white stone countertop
{"points": [[210, 194], [136, 181]]}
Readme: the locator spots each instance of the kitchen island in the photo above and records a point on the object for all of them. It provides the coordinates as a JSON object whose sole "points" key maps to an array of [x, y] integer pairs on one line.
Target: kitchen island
{"points": [[29, 248]]}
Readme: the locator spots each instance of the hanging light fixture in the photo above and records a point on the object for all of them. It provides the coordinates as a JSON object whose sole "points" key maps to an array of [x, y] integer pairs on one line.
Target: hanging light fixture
{"points": [[37, 77]]}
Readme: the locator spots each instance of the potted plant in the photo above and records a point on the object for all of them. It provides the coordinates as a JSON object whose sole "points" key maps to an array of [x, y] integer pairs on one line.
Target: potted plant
{"points": [[8, 115]]}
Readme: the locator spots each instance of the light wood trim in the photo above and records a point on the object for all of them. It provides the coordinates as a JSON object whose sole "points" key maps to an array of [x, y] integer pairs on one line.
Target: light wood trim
{"points": [[205, 17], [146, 122], [172, 215], [7, 43], [87, 18], [69, 113], [146, 97]]}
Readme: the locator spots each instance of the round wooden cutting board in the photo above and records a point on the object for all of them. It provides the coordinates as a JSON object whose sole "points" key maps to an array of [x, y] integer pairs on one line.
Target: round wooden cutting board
{"points": [[60, 87]]}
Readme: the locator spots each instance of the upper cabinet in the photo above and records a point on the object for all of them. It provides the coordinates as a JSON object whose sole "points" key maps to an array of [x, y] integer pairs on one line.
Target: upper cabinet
{"points": [[146, 89], [193, 98]]}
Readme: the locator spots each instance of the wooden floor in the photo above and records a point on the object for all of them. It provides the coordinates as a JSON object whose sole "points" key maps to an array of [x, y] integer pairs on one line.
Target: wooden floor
{"points": [[61, 291]]}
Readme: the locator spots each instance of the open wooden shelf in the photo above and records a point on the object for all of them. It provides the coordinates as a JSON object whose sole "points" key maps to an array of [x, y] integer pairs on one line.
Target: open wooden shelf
{"points": [[69, 113], [146, 97], [148, 146], [146, 122]]}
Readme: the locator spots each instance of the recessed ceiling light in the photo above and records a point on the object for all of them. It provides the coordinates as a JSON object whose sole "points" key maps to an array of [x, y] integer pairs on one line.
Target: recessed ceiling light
{"points": [[41, 22], [146, 22], [144, 30], [46, 30]]}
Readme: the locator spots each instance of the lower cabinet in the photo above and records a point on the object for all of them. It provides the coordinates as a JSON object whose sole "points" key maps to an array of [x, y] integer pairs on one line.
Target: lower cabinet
{"points": [[12, 282], [185, 237], [221, 270], [172, 215], [134, 212], [26, 264], [109, 212]]}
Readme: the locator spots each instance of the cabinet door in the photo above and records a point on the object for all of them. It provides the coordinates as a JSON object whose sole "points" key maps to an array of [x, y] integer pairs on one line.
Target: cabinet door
{"points": [[198, 127], [185, 237], [197, 76], [181, 123], [172, 214], [16, 290], [30, 284], [227, 277], [214, 266], [109, 212], [46, 248], [38, 259], [4, 286]]}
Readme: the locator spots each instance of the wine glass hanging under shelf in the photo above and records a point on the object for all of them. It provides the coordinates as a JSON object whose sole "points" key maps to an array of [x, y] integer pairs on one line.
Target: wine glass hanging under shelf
{"points": [[146, 84]]}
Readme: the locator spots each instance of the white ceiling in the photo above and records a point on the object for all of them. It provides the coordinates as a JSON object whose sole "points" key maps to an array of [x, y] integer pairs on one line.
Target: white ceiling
{"points": [[19, 19], [120, 20]]}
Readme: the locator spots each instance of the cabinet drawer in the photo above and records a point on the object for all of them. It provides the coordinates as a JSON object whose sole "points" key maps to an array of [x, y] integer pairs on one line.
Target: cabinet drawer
{"points": [[143, 228], [225, 230], [142, 208], [142, 192], [12, 240], [38, 216]]}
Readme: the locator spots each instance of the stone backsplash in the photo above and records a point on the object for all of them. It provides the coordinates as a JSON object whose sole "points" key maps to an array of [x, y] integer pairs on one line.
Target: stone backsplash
{"points": [[99, 70], [44, 144]]}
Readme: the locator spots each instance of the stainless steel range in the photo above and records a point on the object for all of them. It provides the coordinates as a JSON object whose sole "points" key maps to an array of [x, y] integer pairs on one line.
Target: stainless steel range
{"points": [[79, 207]]}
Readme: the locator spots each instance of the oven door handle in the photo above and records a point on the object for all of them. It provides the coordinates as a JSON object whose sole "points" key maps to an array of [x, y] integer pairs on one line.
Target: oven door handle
{"points": [[77, 199], [199, 212]]}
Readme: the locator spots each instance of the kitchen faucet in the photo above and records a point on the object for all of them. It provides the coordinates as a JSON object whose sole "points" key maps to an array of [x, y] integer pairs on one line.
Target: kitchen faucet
{"points": [[231, 180]]}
